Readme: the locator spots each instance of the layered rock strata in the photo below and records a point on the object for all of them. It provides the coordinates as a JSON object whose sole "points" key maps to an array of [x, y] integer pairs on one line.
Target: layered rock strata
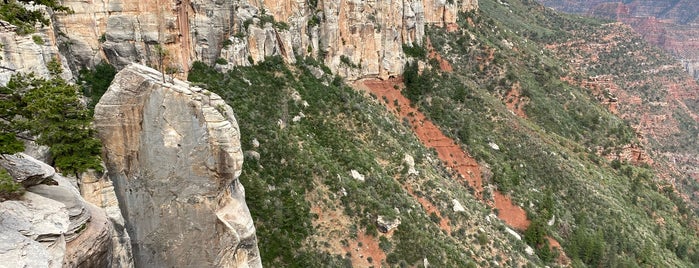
{"points": [[173, 154], [354, 38], [28, 53], [51, 225], [672, 25]]}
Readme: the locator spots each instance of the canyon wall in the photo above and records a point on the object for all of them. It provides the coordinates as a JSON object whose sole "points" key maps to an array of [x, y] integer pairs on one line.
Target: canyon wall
{"points": [[173, 154], [354, 38], [28, 53], [672, 25]]}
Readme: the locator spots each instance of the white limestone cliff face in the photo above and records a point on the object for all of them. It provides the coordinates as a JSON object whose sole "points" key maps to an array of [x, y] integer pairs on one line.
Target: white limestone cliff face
{"points": [[126, 31], [21, 53], [173, 153], [50, 225], [354, 38]]}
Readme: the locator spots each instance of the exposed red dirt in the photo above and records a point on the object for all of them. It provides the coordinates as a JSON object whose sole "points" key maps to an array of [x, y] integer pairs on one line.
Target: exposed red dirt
{"points": [[369, 249], [444, 65], [515, 102], [333, 226], [430, 208], [448, 151], [452, 155], [510, 213]]}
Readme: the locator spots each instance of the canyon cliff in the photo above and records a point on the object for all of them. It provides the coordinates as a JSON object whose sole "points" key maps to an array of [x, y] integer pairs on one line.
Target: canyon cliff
{"points": [[672, 25], [354, 38], [173, 154]]}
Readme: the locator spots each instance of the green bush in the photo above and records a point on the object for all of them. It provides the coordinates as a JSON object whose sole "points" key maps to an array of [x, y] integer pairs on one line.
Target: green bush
{"points": [[50, 109], [415, 50], [9, 189], [221, 61], [14, 13], [348, 62], [95, 82], [38, 40]]}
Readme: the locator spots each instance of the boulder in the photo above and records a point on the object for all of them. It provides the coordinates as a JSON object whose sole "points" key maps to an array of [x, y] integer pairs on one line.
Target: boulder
{"points": [[26, 170], [385, 225], [52, 226]]}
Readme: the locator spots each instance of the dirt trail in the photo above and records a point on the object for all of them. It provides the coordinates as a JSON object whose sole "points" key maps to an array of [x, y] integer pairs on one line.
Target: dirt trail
{"points": [[451, 154]]}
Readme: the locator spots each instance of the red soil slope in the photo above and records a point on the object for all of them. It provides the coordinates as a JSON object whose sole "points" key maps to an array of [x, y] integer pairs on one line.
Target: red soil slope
{"points": [[451, 154]]}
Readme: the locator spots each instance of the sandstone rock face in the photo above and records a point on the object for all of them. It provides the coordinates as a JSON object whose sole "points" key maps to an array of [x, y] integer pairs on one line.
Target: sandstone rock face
{"points": [[354, 38], [126, 31], [98, 190], [20, 53], [173, 153], [51, 225], [358, 38]]}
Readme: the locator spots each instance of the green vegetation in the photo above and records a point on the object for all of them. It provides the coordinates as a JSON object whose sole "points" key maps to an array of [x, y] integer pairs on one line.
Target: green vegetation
{"points": [[37, 39], [50, 110], [415, 50], [9, 189], [314, 21], [25, 20], [95, 82], [307, 164], [348, 62], [557, 155], [606, 213], [227, 43], [221, 61]]}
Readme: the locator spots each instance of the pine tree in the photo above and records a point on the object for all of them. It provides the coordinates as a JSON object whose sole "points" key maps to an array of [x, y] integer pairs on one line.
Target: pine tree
{"points": [[51, 110]]}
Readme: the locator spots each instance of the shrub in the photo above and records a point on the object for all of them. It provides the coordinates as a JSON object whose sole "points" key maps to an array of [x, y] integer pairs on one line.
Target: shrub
{"points": [[415, 50], [95, 82], [38, 40], [51, 110], [348, 62], [221, 61], [227, 43], [9, 189]]}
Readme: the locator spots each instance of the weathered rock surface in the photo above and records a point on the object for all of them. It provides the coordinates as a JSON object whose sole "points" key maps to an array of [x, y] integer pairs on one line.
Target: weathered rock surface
{"points": [[20, 53], [128, 31], [369, 34], [173, 153], [26, 170], [98, 190], [385, 225], [51, 225]]}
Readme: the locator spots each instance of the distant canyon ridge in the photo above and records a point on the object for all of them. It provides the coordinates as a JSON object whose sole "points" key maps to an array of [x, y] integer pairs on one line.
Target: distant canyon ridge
{"points": [[670, 24]]}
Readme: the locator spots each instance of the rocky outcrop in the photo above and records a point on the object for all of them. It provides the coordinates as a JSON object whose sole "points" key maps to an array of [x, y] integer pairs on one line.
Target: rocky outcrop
{"points": [[173, 153], [51, 225], [28, 53], [354, 38], [126, 31]]}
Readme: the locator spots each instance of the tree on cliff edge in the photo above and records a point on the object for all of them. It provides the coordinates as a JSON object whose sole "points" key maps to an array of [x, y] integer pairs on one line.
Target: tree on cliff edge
{"points": [[49, 109]]}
